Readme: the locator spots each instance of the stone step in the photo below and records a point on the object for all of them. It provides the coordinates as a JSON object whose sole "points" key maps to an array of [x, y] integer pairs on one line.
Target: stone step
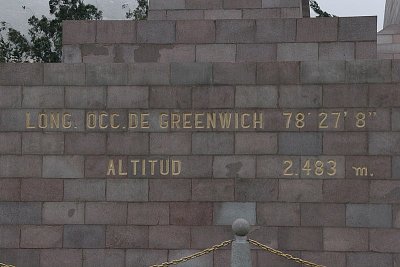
{"points": [[149, 74]]}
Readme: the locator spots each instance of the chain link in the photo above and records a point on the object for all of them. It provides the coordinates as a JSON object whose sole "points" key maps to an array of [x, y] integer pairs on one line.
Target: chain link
{"points": [[196, 255], [5, 265], [284, 255]]}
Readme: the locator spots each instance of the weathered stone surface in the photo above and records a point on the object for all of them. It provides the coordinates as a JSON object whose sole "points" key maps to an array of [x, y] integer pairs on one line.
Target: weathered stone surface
{"points": [[84, 236], [84, 190], [63, 213], [191, 73], [227, 212], [373, 216], [205, 31], [345, 239], [156, 32], [235, 31], [357, 29], [276, 31], [63, 167]]}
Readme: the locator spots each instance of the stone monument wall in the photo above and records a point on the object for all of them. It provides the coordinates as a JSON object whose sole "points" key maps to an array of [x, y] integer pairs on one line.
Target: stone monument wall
{"points": [[133, 164]]}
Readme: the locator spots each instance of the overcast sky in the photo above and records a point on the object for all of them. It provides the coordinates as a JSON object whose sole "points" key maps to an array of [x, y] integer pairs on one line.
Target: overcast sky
{"points": [[11, 10]]}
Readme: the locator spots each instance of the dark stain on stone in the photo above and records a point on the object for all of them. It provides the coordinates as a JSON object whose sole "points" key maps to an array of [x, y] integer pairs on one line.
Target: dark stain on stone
{"points": [[149, 53], [233, 169], [95, 50], [71, 212]]}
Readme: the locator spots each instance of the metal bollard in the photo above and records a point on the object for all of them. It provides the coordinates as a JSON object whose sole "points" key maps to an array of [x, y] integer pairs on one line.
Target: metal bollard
{"points": [[241, 256]]}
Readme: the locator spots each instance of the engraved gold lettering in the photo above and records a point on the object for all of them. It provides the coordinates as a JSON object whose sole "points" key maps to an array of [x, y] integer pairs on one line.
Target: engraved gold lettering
{"points": [[120, 168], [113, 123], [175, 120], [164, 121], [258, 122], [111, 168], [211, 120], [187, 124], [176, 167], [144, 120], [244, 118], [102, 118], [28, 121], [91, 120], [134, 166], [198, 121], [133, 121]]}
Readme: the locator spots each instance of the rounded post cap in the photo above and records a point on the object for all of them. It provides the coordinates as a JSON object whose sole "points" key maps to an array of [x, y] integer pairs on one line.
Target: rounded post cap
{"points": [[241, 227]]}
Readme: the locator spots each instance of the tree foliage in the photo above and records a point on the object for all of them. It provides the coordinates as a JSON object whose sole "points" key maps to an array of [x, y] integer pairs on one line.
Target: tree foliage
{"points": [[317, 9], [140, 12]]}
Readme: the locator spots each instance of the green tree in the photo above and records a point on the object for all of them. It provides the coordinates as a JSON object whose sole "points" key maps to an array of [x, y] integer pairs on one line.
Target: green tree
{"points": [[315, 6], [140, 12], [44, 41]]}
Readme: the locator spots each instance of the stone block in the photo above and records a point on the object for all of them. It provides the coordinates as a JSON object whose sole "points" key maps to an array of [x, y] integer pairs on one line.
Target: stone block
{"points": [[185, 14], [148, 213], [61, 257], [385, 192], [20, 166], [225, 213], [242, 4], [191, 73], [170, 97], [196, 166], [85, 97], [63, 213], [260, 190], [204, 4], [206, 236], [84, 190], [85, 143], [127, 190], [64, 74], [256, 97], [346, 191], [43, 97], [127, 97], [385, 240], [235, 31], [41, 236], [336, 96], [84, 236], [323, 30], [71, 54], [156, 32], [357, 29], [42, 143], [216, 53], [10, 96], [105, 213], [20, 213], [10, 190], [337, 51], [145, 257], [169, 237], [116, 31], [366, 50], [323, 72], [103, 257], [345, 143], [164, 53], [9, 236], [205, 31], [278, 214], [79, 31], [300, 143], [300, 190], [63, 167], [213, 97], [223, 14], [106, 74], [234, 167], [291, 12], [193, 213], [297, 52], [21, 74], [333, 259], [384, 143], [379, 167], [98, 53], [276, 31], [369, 259], [169, 190], [149, 74], [42, 190], [21, 257], [263, 257], [13, 120], [384, 95], [212, 143], [300, 96], [256, 143], [10, 143], [127, 144], [396, 167], [346, 239], [368, 71], [170, 143], [278, 73], [234, 73], [171, 4], [300, 238], [395, 120], [213, 190], [256, 52], [333, 215], [279, 3], [369, 215], [261, 13]]}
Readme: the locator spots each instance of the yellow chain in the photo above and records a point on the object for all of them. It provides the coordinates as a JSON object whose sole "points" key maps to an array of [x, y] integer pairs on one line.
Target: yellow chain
{"points": [[284, 255], [196, 255], [5, 265]]}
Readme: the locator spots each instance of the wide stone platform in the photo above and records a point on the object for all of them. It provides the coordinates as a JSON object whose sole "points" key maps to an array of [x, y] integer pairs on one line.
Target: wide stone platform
{"points": [[153, 137]]}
